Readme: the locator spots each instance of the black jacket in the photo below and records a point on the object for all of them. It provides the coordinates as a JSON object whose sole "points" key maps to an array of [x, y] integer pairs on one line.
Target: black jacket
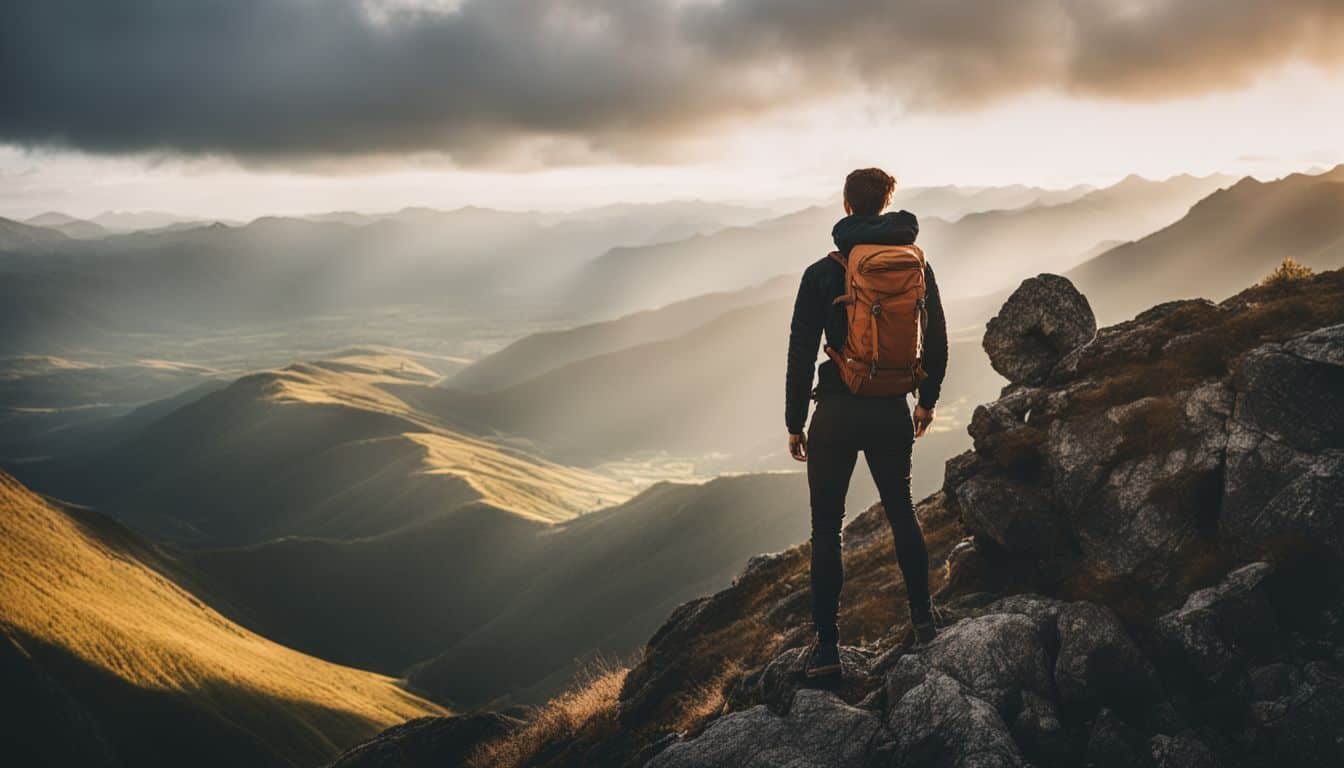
{"points": [[814, 313]]}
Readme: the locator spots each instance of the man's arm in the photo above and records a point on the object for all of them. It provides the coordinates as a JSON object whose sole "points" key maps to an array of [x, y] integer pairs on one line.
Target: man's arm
{"points": [[935, 344], [804, 338]]}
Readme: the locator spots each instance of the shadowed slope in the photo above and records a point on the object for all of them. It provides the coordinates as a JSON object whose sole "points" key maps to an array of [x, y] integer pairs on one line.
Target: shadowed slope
{"points": [[90, 605], [605, 580], [539, 353], [17, 234], [504, 606]]}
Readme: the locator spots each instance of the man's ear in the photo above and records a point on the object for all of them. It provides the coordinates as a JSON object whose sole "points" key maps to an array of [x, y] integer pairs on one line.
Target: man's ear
{"points": [[849, 209]]}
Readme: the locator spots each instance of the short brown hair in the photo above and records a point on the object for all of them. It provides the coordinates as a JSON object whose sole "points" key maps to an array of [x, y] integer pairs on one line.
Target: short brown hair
{"points": [[868, 190]]}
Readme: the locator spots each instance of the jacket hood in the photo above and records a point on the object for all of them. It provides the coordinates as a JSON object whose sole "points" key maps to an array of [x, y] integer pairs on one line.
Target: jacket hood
{"points": [[894, 228]]}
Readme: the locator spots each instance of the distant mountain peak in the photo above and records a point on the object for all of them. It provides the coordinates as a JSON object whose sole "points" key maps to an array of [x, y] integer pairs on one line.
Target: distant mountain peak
{"points": [[52, 219]]}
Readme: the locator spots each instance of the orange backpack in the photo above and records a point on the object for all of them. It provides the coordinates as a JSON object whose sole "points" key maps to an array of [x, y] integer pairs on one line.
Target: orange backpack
{"points": [[885, 303]]}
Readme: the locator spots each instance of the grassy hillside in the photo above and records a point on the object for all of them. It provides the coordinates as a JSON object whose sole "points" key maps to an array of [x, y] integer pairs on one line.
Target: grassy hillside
{"points": [[315, 449], [151, 671]]}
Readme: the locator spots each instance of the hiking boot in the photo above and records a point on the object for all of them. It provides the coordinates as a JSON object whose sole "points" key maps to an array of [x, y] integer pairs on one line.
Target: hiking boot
{"points": [[925, 632], [926, 629], [823, 659]]}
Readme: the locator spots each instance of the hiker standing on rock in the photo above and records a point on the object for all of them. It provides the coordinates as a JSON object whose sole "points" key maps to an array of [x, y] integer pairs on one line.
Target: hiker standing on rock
{"points": [[876, 300]]}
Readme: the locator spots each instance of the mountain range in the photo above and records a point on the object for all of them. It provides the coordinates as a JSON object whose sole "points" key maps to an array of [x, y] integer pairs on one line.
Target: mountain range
{"points": [[977, 253]]}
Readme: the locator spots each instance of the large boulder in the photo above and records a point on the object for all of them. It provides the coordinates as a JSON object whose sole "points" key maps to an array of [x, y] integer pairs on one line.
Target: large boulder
{"points": [[784, 676], [937, 723], [1098, 664], [996, 657], [1019, 518], [1135, 482], [1284, 488], [1043, 320], [1221, 628], [1294, 392], [1043, 611], [820, 731]]}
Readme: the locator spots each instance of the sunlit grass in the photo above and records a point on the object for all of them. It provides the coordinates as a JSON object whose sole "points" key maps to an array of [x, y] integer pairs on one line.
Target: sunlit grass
{"points": [[529, 487], [587, 709], [508, 480], [65, 585]]}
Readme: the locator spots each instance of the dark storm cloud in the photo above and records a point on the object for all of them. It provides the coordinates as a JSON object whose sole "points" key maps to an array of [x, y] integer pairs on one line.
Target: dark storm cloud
{"points": [[285, 78]]}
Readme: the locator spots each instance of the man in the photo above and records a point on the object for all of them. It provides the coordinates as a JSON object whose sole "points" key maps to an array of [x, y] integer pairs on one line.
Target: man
{"points": [[844, 423]]}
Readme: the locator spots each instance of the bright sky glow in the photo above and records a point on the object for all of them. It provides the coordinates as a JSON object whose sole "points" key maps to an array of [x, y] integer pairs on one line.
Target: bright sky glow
{"points": [[1286, 122]]}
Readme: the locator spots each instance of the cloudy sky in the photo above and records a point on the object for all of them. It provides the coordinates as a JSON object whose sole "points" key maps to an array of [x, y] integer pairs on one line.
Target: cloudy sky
{"points": [[239, 107]]}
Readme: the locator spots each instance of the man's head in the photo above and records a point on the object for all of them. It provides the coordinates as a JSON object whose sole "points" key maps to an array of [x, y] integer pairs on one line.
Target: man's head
{"points": [[868, 191]]}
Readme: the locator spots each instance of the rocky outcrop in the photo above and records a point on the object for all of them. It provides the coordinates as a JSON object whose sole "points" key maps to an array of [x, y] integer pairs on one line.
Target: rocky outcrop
{"points": [[1043, 320], [1098, 663], [1165, 447], [783, 677], [935, 721], [819, 730], [1009, 684], [996, 657], [1285, 447], [1222, 627]]}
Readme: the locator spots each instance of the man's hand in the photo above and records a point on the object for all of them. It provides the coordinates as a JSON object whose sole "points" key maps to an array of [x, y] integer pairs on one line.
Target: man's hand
{"points": [[798, 447], [922, 418]]}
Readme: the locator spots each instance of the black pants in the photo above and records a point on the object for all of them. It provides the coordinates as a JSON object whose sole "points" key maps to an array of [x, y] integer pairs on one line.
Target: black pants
{"points": [[843, 425]]}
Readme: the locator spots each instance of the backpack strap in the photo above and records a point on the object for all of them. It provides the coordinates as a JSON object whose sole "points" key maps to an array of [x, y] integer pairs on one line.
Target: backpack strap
{"points": [[847, 297]]}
